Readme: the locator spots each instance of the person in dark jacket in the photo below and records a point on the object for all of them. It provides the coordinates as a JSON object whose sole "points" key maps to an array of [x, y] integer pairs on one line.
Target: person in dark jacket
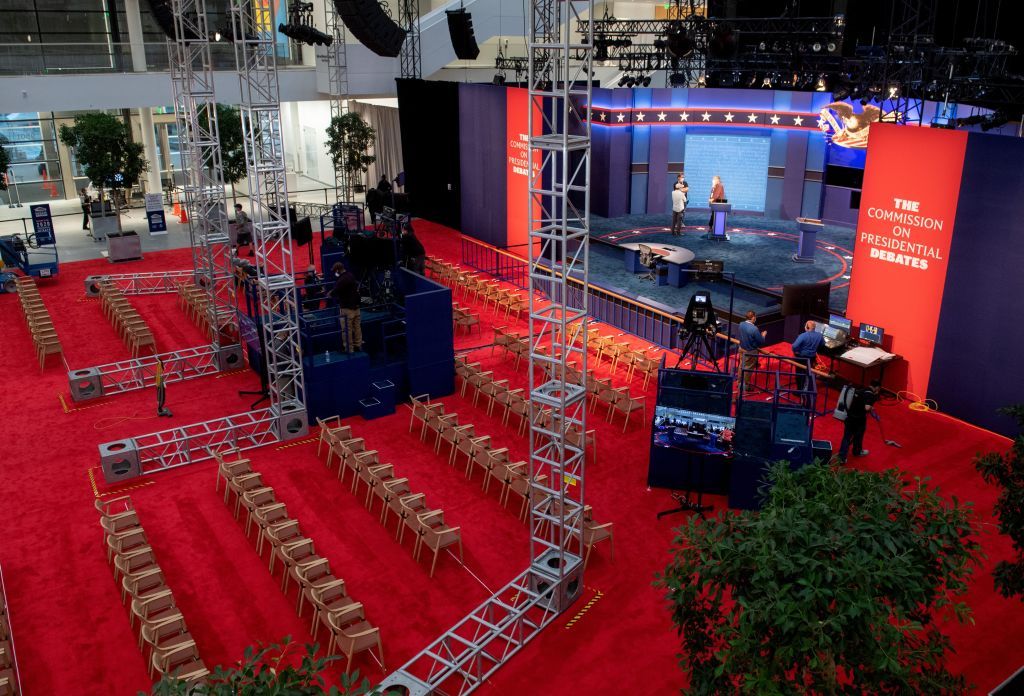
{"points": [[346, 294], [414, 256], [312, 292], [856, 423]]}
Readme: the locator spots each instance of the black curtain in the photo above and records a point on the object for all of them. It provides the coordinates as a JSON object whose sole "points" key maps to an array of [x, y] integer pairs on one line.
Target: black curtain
{"points": [[428, 113]]}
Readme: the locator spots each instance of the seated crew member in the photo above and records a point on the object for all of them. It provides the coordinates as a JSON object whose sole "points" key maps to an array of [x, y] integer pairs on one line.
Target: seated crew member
{"points": [[244, 227], [311, 290], [750, 341], [856, 423], [414, 256], [346, 294], [806, 346]]}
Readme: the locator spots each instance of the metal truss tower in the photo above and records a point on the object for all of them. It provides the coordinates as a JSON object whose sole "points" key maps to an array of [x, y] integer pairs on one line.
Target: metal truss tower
{"points": [[409, 19], [195, 108], [559, 163], [337, 85], [911, 39], [256, 62]]}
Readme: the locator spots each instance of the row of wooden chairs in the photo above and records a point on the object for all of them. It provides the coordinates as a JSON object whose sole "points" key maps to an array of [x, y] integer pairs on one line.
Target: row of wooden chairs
{"points": [[343, 617], [465, 317], [194, 301], [493, 294], [514, 402], [8, 668], [162, 630], [411, 511], [511, 477], [131, 327], [40, 324]]}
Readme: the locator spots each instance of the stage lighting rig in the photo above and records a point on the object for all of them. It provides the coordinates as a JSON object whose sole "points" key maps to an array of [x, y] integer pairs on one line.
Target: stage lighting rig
{"points": [[300, 26]]}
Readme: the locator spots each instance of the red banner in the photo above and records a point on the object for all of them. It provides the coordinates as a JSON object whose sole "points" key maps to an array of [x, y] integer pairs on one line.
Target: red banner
{"points": [[907, 209], [517, 146]]}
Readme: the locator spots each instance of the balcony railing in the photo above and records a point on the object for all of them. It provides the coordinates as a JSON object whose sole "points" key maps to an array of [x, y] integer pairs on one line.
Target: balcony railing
{"points": [[78, 58]]}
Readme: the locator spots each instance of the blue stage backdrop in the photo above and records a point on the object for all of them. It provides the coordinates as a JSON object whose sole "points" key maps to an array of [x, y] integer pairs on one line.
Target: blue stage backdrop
{"points": [[767, 146], [976, 367]]}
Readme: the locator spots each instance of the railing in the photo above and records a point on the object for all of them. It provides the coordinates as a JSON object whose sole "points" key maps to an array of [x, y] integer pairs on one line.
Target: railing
{"points": [[51, 58]]}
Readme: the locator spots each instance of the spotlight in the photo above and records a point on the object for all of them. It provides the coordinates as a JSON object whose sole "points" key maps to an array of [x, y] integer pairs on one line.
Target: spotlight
{"points": [[762, 46], [623, 80], [217, 35], [832, 46], [679, 42], [767, 83], [300, 26], [499, 79], [816, 47], [647, 80], [677, 80], [820, 85]]}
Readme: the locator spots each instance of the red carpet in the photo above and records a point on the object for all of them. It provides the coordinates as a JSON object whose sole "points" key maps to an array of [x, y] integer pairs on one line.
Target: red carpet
{"points": [[72, 634]]}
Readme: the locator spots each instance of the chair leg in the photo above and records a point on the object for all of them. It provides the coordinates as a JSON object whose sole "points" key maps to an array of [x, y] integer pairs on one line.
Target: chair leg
{"points": [[434, 562]]}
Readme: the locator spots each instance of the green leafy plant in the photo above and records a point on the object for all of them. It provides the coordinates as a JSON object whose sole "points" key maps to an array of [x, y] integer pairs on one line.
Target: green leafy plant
{"points": [[5, 162], [270, 670], [349, 139], [104, 147], [833, 588], [232, 146], [1007, 472]]}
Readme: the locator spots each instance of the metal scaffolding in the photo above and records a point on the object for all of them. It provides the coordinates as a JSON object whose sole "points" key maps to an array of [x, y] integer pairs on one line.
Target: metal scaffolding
{"points": [[153, 283], [256, 62], [411, 65], [195, 108], [337, 86], [559, 164]]}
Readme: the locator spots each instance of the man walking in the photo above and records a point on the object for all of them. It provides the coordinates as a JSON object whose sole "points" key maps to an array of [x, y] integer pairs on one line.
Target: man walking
{"points": [[750, 341], [856, 423], [346, 294], [86, 200]]}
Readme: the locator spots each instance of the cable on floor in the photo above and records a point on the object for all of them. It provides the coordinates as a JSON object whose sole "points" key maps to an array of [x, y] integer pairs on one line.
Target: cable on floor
{"points": [[118, 420]]}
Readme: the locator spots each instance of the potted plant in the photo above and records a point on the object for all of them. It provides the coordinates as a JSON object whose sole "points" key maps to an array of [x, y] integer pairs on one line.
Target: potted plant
{"points": [[113, 162], [349, 139], [837, 586]]}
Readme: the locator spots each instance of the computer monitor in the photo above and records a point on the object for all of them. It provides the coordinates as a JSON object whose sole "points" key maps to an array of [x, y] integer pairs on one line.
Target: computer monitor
{"points": [[831, 333], [871, 333], [841, 323]]}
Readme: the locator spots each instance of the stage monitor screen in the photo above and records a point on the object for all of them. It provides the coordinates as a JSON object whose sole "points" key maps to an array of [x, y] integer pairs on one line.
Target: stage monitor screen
{"points": [[871, 333], [841, 323], [831, 333], [806, 300]]}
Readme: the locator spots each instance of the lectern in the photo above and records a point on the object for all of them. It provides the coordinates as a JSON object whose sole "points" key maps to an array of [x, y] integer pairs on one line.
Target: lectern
{"points": [[809, 229], [719, 213]]}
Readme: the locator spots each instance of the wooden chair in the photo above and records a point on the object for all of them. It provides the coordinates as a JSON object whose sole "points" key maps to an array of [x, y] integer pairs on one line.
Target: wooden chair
{"points": [[626, 404], [353, 637], [329, 598], [594, 533], [182, 662], [436, 535]]}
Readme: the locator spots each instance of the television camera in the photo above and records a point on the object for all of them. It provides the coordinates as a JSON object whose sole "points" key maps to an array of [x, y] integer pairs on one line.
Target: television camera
{"points": [[700, 324]]}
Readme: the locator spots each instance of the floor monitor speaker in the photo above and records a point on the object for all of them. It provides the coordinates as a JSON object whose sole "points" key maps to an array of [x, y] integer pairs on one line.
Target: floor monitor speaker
{"points": [[372, 26], [460, 27]]}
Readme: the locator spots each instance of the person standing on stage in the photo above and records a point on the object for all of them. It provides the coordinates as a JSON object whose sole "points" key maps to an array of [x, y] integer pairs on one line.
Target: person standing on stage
{"points": [[856, 423], [805, 347], [346, 294], [679, 191], [717, 195], [750, 341]]}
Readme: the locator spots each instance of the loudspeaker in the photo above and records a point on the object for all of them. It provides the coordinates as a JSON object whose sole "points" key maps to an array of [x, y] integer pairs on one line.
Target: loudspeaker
{"points": [[544, 578], [120, 460], [372, 26], [460, 27], [85, 384], [164, 17]]}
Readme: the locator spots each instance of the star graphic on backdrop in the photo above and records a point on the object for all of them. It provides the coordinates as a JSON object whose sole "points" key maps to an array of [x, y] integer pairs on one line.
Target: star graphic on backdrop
{"points": [[729, 117], [684, 116], [603, 116], [798, 120], [821, 123], [752, 118], [705, 116], [661, 116], [640, 116], [775, 119], [621, 117]]}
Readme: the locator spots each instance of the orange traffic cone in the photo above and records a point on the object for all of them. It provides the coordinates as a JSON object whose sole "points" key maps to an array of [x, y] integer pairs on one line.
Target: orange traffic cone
{"points": [[182, 214], [177, 207]]}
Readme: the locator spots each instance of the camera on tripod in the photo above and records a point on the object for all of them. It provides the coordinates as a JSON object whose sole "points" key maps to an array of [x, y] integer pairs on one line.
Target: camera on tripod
{"points": [[700, 314]]}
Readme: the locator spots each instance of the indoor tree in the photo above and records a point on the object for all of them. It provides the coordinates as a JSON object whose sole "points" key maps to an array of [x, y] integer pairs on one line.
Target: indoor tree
{"points": [[272, 670], [1006, 470], [104, 147], [232, 146], [835, 587], [349, 139]]}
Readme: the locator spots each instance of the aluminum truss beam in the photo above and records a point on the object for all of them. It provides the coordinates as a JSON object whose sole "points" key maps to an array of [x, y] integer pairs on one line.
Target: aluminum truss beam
{"points": [[140, 373], [410, 63], [337, 85], [559, 164], [157, 283], [196, 110], [256, 62]]}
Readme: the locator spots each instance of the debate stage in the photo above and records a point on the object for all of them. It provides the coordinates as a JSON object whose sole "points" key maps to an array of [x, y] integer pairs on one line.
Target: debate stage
{"points": [[759, 253]]}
